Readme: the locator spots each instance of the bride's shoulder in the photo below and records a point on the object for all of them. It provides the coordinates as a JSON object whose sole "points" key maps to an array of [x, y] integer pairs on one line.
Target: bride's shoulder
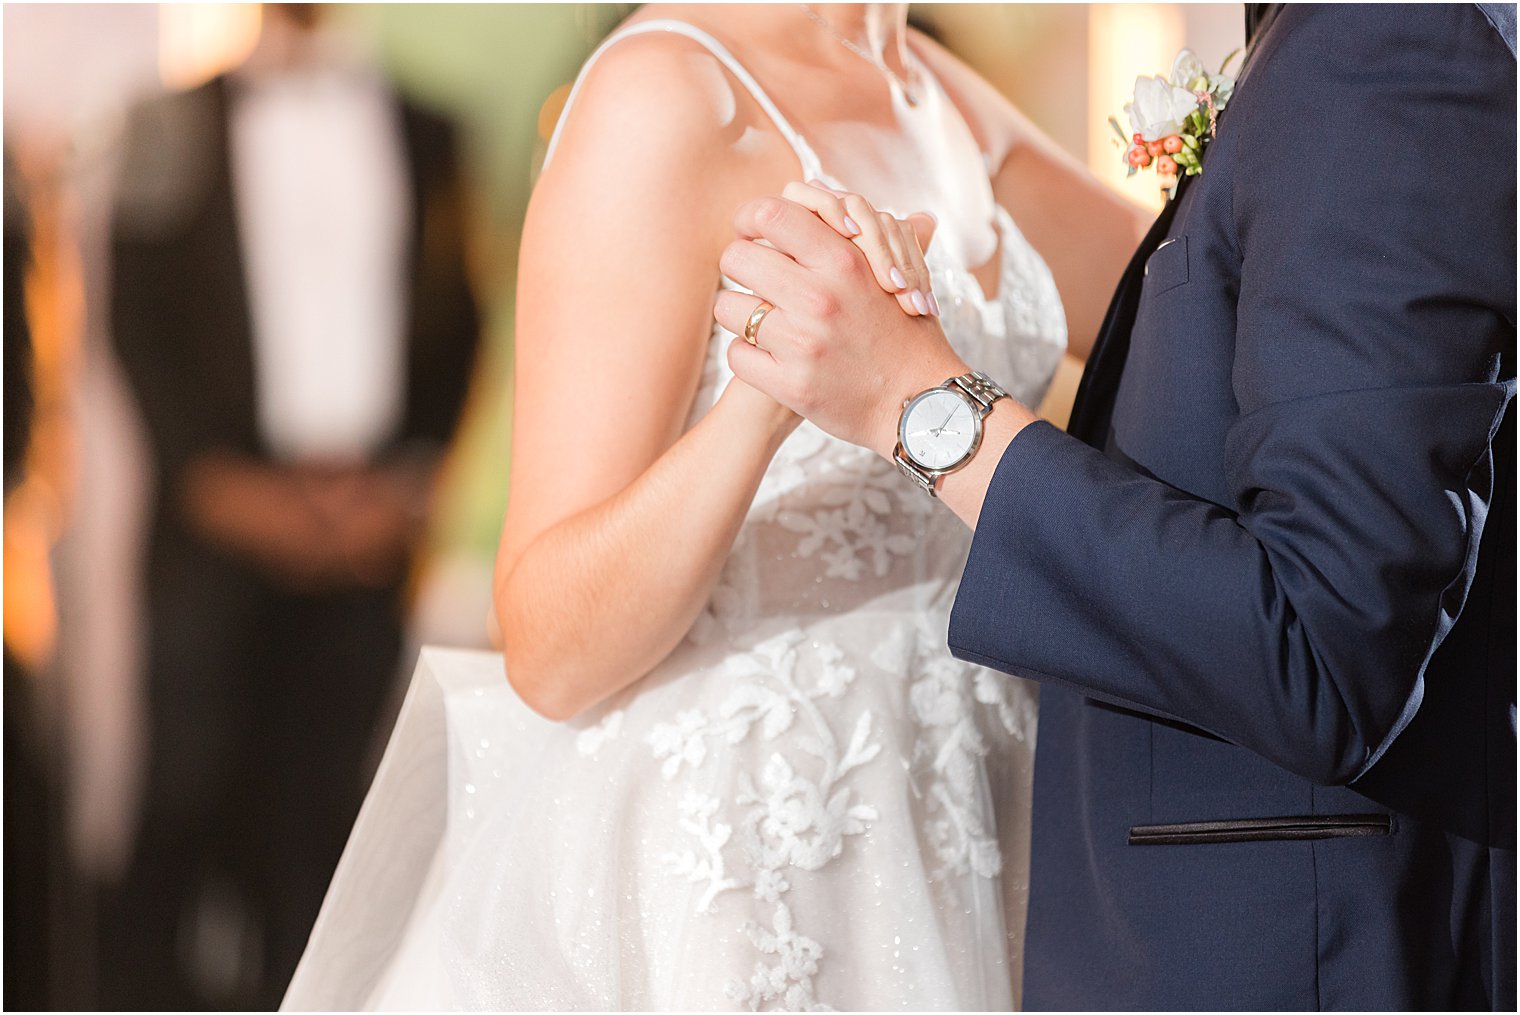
{"points": [[649, 91]]}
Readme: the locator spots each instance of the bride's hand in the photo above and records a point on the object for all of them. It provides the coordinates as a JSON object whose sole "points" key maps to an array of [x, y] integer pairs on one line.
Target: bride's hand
{"points": [[894, 247], [760, 409]]}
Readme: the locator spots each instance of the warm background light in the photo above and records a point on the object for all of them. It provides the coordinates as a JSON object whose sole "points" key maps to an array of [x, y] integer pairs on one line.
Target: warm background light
{"points": [[196, 42], [1124, 40]]}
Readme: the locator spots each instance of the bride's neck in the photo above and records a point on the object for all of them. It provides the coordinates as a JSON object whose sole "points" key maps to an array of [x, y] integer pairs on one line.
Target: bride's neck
{"points": [[879, 29]]}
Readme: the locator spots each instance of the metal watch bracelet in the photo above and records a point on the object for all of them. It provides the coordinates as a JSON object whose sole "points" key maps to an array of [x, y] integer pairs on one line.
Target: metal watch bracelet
{"points": [[982, 391]]}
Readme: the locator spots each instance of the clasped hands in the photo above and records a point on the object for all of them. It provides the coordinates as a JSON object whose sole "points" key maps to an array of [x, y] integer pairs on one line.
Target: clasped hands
{"points": [[855, 327]]}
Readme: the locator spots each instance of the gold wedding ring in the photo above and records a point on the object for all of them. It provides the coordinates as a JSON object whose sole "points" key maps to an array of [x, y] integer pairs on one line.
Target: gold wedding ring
{"points": [[752, 326]]}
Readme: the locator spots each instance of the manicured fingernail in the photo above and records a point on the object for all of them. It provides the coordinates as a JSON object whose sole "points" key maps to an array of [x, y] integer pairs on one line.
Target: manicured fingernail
{"points": [[849, 224], [897, 278], [919, 303], [933, 305]]}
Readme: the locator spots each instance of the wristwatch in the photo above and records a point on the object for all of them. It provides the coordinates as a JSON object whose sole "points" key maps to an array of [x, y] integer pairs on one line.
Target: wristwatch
{"points": [[941, 429]]}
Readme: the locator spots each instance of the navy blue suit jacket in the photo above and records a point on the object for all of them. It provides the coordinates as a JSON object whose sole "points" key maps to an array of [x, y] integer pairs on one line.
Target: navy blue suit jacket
{"points": [[1273, 612]]}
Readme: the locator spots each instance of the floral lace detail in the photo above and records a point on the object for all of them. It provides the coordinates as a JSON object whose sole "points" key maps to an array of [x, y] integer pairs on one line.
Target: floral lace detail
{"points": [[854, 514], [590, 741], [950, 746], [850, 531], [866, 532], [793, 819], [789, 979], [683, 741], [947, 761], [709, 866], [1025, 320]]}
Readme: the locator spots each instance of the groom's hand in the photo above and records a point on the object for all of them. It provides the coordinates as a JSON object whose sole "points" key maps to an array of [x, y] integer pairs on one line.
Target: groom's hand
{"points": [[836, 349]]}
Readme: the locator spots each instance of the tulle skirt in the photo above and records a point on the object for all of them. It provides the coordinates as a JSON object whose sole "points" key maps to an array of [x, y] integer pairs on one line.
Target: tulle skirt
{"points": [[828, 812]]}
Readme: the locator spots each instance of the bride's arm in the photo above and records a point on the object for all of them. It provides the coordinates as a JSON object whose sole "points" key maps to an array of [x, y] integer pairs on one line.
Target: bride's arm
{"points": [[1085, 232], [618, 524]]}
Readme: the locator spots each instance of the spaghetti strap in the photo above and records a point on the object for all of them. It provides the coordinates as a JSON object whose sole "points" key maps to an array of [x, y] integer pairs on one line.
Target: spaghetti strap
{"points": [[812, 168]]}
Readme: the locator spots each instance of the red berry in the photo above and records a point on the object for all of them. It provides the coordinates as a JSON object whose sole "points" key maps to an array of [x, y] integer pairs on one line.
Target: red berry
{"points": [[1154, 147], [1134, 155], [1138, 139], [1171, 144], [1166, 165]]}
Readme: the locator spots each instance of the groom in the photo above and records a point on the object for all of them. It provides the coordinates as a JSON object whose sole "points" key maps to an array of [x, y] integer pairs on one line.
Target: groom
{"points": [[1267, 583]]}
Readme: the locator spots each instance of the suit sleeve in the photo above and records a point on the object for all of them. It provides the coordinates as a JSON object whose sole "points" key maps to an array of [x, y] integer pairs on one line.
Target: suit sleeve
{"points": [[1375, 318]]}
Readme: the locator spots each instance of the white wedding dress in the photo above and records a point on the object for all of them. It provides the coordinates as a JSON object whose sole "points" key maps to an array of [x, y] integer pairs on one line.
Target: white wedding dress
{"points": [[809, 804]]}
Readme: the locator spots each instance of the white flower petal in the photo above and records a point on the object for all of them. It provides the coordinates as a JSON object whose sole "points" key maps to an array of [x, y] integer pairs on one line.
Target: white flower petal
{"points": [[1159, 107], [1187, 68]]}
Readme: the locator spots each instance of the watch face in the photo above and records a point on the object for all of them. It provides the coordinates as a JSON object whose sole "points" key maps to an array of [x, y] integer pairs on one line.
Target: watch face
{"points": [[938, 429]]}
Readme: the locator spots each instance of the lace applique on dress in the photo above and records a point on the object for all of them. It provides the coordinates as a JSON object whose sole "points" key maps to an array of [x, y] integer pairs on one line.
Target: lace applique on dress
{"points": [[794, 817], [844, 518]]}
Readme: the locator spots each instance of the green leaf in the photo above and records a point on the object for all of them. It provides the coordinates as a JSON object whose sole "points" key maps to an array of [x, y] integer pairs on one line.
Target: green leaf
{"points": [[1233, 54], [1190, 141], [1114, 123]]}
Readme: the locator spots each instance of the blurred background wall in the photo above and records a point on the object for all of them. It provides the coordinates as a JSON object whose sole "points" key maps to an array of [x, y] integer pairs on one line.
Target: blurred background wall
{"points": [[75, 521]]}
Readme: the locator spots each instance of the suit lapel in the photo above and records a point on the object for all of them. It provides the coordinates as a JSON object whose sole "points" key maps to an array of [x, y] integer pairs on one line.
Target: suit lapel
{"points": [[1259, 18], [221, 335], [1257, 29], [1092, 411]]}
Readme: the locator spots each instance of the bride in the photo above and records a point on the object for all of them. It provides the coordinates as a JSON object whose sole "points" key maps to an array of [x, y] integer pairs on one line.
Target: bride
{"points": [[755, 777]]}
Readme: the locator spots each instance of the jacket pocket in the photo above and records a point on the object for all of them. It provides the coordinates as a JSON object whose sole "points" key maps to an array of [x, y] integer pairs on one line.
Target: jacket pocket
{"points": [[1167, 267], [1318, 826]]}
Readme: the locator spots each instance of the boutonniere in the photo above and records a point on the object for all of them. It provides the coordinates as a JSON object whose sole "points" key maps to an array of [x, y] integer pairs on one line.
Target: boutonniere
{"points": [[1174, 119]]}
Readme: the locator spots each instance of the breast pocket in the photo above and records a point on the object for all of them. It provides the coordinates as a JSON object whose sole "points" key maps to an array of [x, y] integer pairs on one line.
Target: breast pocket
{"points": [[1167, 267]]}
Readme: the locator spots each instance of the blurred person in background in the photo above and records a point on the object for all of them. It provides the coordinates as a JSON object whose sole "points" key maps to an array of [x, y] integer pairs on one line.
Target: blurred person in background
{"points": [[18, 336], [291, 309], [30, 793]]}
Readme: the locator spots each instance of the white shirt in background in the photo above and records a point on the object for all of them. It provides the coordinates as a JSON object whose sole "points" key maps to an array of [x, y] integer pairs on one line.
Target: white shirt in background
{"points": [[323, 202]]}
